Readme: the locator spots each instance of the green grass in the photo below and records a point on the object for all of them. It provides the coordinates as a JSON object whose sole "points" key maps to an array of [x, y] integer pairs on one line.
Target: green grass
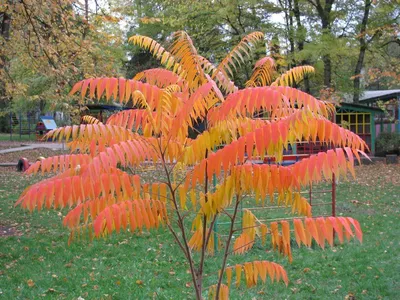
{"points": [[151, 266], [16, 137]]}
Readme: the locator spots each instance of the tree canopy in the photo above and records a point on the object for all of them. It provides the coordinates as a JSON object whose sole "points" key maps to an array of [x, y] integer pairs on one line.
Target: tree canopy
{"points": [[48, 45], [45, 46], [325, 34]]}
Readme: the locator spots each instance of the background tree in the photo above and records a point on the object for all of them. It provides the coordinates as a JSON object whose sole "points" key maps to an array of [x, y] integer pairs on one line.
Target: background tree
{"points": [[324, 11], [343, 41], [363, 47], [323, 34], [214, 26], [50, 44], [381, 67]]}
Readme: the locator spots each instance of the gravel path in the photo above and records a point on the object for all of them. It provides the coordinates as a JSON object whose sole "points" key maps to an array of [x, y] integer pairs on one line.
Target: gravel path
{"points": [[11, 152], [23, 147]]}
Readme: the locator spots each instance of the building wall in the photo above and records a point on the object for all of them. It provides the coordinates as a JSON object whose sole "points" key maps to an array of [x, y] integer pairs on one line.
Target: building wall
{"points": [[359, 123], [385, 127]]}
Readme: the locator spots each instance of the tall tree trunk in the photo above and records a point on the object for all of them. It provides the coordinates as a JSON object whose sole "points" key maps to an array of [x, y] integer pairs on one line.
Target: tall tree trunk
{"points": [[291, 34], [300, 36], [87, 10], [86, 29], [361, 55], [5, 26], [327, 70], [287, 8], [324, 13], [326, 29]]}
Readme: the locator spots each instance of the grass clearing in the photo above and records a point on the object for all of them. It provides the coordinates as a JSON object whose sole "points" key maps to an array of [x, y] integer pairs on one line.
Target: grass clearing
{"points": [[17, 137], [36, 262]]}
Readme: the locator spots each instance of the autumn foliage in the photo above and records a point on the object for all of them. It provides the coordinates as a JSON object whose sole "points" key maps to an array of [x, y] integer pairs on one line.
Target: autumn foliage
{"points": [[102, 185]]}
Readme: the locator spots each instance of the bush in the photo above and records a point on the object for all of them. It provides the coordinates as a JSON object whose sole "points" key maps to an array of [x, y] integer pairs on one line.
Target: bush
{"points": [[202, 176], [388, 143], [4, 124]]}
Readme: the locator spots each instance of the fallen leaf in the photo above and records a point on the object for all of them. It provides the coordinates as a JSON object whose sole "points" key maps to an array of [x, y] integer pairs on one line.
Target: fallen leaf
{"points": [[294, 290], [139, 282], [350, 296], [30, 283]]}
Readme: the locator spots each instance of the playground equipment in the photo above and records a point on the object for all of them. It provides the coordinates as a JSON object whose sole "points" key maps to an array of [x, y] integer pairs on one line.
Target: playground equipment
{"points": [[26, 126], [322, 199], [23, 164], [44, 126]]}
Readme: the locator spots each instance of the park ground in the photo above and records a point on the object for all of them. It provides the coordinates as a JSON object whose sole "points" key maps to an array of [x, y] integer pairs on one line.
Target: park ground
{"points": [[36, 261]]}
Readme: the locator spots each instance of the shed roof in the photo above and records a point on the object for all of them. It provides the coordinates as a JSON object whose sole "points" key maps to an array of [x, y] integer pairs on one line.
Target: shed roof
{"points": [[104, 106], [359, 107], [371, 96]]}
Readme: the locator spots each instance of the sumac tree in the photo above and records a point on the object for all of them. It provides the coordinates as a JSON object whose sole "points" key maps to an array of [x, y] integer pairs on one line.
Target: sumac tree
{"points": [[101, 183]]}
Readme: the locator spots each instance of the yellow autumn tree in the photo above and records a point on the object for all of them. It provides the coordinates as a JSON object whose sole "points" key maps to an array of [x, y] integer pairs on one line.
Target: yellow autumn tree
{"points": [[102, 183]]}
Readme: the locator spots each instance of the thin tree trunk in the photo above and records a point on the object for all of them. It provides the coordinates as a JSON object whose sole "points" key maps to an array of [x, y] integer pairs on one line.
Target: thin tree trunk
{"points": [[327, 70], [184, 244], [86, 29], [5, 26], [291, 32], [300, 36], [324, 12], [326, 29], [287, 8], [86, 9], [204, 237], [361, 55], [228, 242]]}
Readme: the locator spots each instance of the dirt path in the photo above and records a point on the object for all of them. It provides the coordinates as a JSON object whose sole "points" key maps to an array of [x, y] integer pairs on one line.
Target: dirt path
{"points": [[11, 152], [53, 146]]}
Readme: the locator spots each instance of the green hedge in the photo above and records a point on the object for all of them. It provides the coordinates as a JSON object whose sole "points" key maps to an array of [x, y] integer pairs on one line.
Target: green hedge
{"points": [[388, 143]]}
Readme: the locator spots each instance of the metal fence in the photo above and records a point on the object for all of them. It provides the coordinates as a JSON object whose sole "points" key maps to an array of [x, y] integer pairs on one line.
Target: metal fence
{"points": [[22, 126]]}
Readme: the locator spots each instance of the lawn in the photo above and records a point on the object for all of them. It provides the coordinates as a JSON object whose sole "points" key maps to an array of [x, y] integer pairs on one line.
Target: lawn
{"points": [[17, 137], [37, 262]]}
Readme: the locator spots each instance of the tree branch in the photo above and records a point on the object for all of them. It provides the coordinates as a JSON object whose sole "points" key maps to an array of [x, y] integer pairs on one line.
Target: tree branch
{"points": [[228, 242], [182, 228]]}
